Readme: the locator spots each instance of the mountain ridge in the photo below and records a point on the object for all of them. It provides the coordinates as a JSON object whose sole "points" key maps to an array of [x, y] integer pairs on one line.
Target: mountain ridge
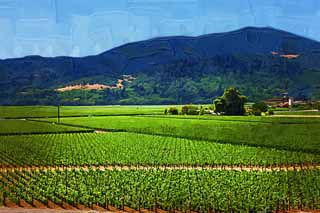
{"points": [[249, 52], [175, 37]]}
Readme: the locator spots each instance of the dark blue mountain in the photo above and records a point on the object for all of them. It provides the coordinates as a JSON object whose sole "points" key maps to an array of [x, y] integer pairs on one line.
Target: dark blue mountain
{"points": [[136, 56], [248, 54]]}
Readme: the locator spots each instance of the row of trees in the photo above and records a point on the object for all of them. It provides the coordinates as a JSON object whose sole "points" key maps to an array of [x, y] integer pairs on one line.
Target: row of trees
{"points": [[232, 102], [185, 110]]}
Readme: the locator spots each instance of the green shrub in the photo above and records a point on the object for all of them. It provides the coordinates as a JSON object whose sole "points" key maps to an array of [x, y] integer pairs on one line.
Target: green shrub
{"points": [[211, 107], [189, 110], [270, 112], [256, 112], [202, 111], [261, 106], [184, 110], [219, 105], [259, 109], [173, 111], [248, 111]]}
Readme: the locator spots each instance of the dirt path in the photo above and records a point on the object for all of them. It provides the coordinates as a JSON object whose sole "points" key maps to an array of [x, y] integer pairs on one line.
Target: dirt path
{"points": [[100, 132], [22, 210], [34, 210], [127, 168]]}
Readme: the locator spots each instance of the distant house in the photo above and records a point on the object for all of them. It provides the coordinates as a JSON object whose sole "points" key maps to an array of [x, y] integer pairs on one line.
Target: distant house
{"points": [[284, 102]]}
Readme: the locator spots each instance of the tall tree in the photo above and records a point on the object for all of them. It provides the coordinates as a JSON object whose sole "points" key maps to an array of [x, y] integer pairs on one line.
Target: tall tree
{"points": [[231, 103]]}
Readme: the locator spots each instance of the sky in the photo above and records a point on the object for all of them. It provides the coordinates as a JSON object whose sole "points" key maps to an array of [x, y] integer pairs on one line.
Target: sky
{"points": [[87, 27]]}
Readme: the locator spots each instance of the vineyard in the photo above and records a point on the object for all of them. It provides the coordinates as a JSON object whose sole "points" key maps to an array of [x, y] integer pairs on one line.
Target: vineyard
{"points": [[137, 149], [157, 163], [166, 190], [297, 134]]}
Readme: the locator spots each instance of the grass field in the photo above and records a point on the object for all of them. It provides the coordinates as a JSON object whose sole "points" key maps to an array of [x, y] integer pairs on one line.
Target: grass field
{"points": [[157, 163]]}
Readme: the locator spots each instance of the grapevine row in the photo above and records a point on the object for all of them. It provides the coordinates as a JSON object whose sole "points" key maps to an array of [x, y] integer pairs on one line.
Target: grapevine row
{"points": [[137, 149], [168, 190]]}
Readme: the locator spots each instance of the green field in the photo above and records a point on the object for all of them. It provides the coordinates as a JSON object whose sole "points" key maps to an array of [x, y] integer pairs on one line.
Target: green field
{"points": [[52, 111], [137, 159], [311, 112], [74, 111], [301, 135], [256, 119], [10, 127]]}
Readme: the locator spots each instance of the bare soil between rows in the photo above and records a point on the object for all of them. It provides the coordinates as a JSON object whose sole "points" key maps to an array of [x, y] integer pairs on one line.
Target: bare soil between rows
{"points": [[38, 207], [34, 210], [296, 167]]}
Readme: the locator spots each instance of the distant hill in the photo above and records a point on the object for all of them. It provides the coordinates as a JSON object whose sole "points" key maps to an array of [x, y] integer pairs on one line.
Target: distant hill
{"points": [[261, 62]]}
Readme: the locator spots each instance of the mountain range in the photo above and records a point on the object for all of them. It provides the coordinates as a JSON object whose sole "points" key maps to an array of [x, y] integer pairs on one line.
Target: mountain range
{"points": [[260, 62]]}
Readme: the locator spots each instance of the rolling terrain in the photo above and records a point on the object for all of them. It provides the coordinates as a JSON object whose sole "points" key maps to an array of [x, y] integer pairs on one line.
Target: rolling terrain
{"points": [[124, 162]]}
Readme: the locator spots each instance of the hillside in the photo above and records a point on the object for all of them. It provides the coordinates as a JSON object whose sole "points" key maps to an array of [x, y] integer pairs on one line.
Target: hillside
{"points": [[261, 62]]}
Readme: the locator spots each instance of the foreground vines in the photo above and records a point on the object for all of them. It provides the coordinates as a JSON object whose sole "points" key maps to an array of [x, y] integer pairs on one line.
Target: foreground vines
{"points": [[198, 190]]}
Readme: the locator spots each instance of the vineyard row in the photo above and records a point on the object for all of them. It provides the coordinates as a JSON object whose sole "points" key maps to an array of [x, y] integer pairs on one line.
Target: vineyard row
{"points": [[138, 149], [182, 190]]}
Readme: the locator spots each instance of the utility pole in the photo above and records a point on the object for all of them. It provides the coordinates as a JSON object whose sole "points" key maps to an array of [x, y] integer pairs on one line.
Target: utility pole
{"points": [[59, 113]]}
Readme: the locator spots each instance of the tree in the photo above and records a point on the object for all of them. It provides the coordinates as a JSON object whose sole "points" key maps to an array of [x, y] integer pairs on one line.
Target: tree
{"points": [[231, 103], [318, 106], [219, 105], [189, 110], [270, 112], [173, 111], [259, 107]]}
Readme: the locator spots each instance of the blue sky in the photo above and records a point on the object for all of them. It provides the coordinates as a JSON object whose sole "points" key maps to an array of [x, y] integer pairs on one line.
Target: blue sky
{"points": [[87, 27]]}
